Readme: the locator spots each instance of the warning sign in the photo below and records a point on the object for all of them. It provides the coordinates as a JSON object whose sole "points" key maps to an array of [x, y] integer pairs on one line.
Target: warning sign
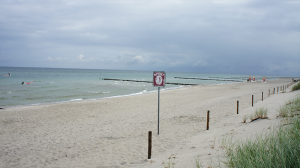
{"points": [[159, 78]]}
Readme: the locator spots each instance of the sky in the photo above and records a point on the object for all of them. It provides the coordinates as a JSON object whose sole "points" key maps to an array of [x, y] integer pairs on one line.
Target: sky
{"points": [[250, 37]]}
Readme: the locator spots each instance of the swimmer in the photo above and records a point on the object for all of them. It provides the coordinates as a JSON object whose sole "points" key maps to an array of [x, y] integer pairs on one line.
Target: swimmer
{"points": [[29, 82], [22, 83]]}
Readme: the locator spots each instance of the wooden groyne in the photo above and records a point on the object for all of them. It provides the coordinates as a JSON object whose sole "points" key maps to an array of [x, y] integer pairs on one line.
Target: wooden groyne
{"points": [[209, 79], [242, 78], [129, 80]]}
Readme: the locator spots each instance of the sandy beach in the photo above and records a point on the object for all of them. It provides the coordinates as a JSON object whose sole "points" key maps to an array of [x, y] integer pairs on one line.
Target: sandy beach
{"points": [[113, 132]]}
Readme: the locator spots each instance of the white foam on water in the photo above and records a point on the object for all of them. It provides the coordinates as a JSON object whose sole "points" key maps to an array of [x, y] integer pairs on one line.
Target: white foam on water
{"points": [[36, 104], [76, 99], [99, 92], [93, 92]]}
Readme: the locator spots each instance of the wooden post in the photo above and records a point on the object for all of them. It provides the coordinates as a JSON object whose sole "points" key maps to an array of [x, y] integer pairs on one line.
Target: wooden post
{"points": [[207, 121], [149, 144], [262, 96], [252, 99], [277, 89], [274, 90], [269, 92], [237, 107]]}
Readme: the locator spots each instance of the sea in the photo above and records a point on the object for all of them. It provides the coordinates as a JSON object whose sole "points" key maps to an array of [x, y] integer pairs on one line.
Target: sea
{"points": [[59, 85]]}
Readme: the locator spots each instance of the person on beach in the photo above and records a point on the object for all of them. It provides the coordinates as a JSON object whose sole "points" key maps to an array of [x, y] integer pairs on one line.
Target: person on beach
{"points": [[264, 79]]}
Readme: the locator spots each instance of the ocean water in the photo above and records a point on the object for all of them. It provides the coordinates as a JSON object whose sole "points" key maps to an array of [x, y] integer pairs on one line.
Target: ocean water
{"points": [[56, 85]]}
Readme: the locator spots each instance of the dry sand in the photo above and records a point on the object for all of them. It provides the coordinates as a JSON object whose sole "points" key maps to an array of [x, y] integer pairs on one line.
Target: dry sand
{"points": [[114, 132]]}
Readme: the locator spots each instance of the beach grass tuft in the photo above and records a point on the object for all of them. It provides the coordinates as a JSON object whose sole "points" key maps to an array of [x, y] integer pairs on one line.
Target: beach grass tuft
{"points": [[296, 87], [198, 162], [259, 113]]}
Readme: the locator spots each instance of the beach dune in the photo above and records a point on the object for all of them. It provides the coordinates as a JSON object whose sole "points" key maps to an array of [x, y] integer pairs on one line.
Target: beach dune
{"points": [[113, 132]]}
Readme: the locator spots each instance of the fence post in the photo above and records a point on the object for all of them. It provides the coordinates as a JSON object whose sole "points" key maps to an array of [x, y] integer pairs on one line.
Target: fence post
{"points": [[237, 107], [207, 121], [149, 144], [262, 96], [252, 99]]}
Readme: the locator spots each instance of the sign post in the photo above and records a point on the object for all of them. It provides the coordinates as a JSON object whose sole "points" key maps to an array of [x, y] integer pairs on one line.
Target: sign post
{"points": [[159, 80]]}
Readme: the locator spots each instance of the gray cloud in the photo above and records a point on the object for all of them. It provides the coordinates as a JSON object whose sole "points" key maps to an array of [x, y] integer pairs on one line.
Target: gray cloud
{"points": [[218, 36]]}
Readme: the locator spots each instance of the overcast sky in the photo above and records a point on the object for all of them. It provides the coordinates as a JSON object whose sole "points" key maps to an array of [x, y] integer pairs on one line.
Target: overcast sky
{"points": [[251, 37]]}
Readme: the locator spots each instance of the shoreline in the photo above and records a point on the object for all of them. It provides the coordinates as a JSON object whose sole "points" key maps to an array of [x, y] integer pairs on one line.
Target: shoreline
{"points": [[113, 132], [110, 97], [87, 100]]}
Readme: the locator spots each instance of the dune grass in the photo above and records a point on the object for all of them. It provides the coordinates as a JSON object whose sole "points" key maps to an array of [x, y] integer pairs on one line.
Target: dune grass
{"points": [[198, 162], [279, 148], [259, 113], [296, 87], [291, 109]]}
